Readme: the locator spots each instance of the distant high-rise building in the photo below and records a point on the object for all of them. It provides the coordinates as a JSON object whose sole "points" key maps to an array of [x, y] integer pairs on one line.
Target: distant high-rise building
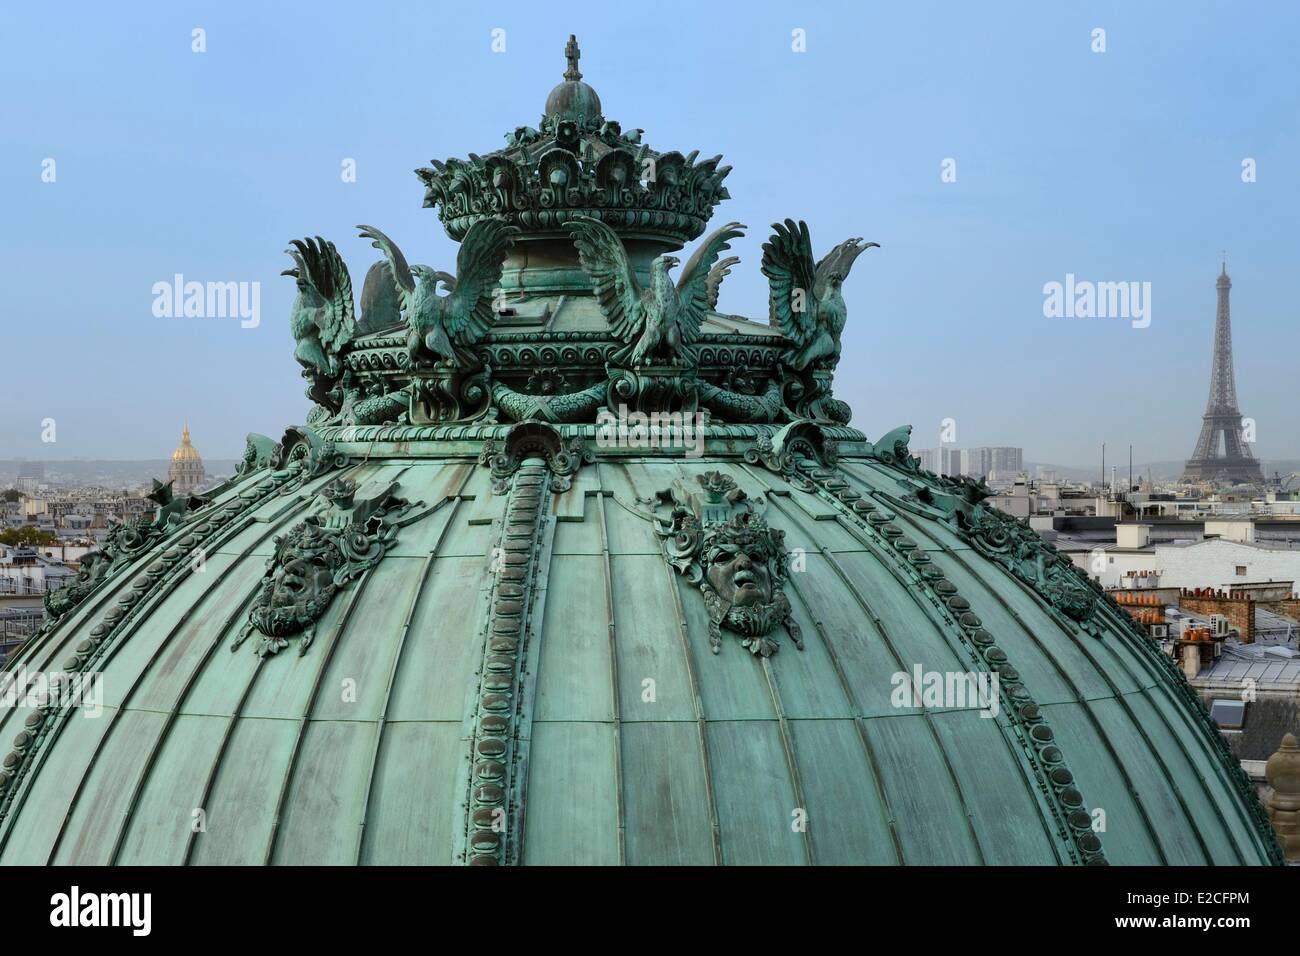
{"points": [[1221, 454], [976, 462], [1002, 462], [1006, 462], [944, 460], [186, 470]]}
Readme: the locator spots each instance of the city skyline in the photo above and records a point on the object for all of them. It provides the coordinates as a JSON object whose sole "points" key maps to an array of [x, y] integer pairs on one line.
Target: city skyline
{"points": [[955, 292]]}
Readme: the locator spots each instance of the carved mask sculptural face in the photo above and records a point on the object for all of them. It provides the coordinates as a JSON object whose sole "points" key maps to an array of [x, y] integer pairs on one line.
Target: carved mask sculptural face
{"points": [[717, 539], [320, 555], [739, 574], [300, 585]]}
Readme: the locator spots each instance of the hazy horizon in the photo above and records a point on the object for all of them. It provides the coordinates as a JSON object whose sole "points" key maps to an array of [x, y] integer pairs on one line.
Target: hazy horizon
{"points": [[1122, 166]]}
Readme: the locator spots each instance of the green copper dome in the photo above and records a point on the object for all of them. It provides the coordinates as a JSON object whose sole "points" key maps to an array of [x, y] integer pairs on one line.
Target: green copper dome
{"points": [[573, 100], [595, 575]]}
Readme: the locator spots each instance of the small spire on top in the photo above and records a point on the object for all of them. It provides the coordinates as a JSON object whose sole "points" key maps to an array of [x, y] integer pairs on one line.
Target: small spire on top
{"points": [[572, 55]]}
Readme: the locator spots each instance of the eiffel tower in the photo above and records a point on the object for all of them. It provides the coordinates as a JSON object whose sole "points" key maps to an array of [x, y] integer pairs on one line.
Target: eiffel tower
{"points": [[1220, 453]]}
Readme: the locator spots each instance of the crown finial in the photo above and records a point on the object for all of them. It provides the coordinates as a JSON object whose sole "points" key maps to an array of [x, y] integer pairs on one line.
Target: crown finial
{"points": [[572, 54]]}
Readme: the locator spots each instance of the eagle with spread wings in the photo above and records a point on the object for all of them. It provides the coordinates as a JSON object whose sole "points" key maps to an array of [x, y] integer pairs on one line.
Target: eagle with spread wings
{"points": [[804, 298], [449, 326], [659, 325], [323, 320]]}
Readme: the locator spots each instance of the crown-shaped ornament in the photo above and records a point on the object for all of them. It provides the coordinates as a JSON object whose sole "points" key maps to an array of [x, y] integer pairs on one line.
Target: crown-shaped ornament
{"points": [[578, 163]]}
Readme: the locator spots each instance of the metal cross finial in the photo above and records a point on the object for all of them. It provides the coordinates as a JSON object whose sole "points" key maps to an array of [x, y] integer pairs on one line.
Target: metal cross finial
{"points": [[572, 54]]}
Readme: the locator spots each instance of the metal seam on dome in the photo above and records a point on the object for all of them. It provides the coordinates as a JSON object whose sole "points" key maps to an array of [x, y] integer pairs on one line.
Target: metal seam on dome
{"points": [[1103, 607], [854, 520], [337, 633], [1029, 743], [159, 742], [945, 622], [879, 624], [1102, 735], [697, 701], [1121, 700], [1040, 773], [163, 645], [859, 722], [792, 765], [1124, 627], [34, 755], [1054, 788], [236, 715], [608, 578], [426, 572]]}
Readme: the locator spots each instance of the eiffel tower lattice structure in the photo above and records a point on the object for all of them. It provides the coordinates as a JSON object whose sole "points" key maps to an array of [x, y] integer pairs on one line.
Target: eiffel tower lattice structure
{"points": [[1221, 455]]}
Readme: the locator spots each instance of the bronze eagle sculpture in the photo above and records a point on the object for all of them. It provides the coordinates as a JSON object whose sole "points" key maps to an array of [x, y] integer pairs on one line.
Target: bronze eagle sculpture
{"points": [[449, 326], [804, 298], [322, 320], [659, 325]]}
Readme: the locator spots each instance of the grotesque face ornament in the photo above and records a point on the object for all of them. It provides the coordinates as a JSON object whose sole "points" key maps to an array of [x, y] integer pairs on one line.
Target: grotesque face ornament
{"points": [[739, 575], [718, 540], [318, 557]]}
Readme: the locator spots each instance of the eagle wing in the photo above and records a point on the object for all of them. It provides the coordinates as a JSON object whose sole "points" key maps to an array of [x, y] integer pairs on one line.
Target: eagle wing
{"points": [[320, 264], [604, 260], [396, 261], [693, 285], [840, 259], [788, 265], [713, 284], [468, 308]]}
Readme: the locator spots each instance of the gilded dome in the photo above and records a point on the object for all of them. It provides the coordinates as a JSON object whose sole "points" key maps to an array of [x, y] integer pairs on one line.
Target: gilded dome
{"points": [[186, 451]]}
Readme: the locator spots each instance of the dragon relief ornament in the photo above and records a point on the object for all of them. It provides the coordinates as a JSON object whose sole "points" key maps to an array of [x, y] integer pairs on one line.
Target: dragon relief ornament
{"points": [[1020, 550], [318, 557], [716, 538]]}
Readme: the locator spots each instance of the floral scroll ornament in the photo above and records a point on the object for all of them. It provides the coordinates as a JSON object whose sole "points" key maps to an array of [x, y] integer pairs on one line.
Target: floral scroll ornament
{"points": [[317, 558], [717, 539]]}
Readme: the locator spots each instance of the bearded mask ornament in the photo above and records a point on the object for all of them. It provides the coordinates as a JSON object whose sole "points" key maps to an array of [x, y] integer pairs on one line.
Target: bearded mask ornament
{"points": [[317, 558], [716, 538]]}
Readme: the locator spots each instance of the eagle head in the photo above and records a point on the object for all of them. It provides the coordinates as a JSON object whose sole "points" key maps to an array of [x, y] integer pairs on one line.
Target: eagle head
{"points": [[659, 277]]}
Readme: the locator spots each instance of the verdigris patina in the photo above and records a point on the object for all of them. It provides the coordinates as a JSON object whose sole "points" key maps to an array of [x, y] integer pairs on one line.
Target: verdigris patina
{"points": [[716, 536], [532, 652]]}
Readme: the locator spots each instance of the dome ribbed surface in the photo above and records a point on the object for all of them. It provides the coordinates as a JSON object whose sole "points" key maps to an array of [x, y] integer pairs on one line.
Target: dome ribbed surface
{"points": [[630, 741]]}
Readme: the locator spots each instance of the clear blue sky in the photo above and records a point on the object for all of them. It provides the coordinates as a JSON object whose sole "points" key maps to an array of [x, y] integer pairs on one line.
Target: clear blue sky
{"points": [[1117, 166]]}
